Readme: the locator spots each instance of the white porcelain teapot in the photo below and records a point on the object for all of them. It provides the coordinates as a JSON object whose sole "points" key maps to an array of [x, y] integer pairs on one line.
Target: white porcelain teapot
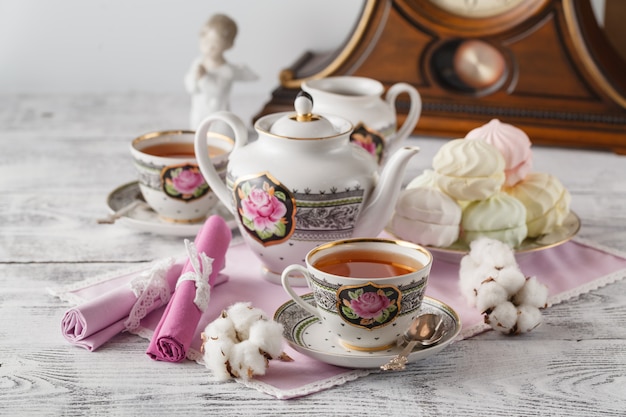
{"points": [[301, 183]]}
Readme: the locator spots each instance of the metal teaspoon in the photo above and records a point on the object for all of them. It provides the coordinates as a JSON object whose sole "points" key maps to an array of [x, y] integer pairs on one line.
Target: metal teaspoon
{"points": [[424, 330]]}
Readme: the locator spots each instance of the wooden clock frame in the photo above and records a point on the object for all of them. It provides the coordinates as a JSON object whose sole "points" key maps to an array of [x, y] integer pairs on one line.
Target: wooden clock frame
{"points": [[565, 85]]}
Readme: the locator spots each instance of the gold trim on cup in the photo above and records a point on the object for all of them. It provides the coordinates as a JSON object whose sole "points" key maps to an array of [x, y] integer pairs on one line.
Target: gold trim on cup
{"points": [[183, 221], [398, 242], [348, 346], [159, 133]]}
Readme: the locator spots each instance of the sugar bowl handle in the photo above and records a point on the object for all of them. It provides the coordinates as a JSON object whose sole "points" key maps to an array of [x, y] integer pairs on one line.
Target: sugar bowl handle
{"points": [[415, 109]]}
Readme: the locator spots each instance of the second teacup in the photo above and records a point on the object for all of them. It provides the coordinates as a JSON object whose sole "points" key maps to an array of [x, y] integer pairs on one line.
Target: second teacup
{"points": [[168, 173], [367, 291]]}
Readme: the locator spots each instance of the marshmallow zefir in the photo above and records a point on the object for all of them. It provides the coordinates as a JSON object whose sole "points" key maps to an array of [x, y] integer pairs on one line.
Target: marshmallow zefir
{"points": [[469, 169], [546, 200], [426, 216], [499, 217], [514, 145], [428, 178]]}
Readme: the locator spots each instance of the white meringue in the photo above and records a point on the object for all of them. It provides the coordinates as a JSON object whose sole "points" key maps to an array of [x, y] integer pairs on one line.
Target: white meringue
{"points": [[546, 200], [501, 217], [514, 145], [428, 178], [469, 169], [426, 216]]}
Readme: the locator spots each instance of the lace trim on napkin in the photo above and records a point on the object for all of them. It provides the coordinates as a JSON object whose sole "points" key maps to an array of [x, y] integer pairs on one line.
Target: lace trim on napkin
{"points": [[284, 394], [202, 267], [65, 294], [149, 287], [595, 284]]}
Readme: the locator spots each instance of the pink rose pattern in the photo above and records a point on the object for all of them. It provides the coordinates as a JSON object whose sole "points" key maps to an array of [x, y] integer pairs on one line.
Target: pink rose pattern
{"points": [[265, 209], [369, 140], [184, 182], [369, 306]]}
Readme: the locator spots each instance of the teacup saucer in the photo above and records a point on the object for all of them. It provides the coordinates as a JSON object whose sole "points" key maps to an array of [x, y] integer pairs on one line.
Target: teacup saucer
{"points": [[144, 219], [307, 335]]}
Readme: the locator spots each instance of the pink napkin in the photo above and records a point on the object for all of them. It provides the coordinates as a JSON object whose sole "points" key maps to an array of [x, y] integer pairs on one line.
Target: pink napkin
{"points": [[175, 331], [569, 270], [94, 322]]}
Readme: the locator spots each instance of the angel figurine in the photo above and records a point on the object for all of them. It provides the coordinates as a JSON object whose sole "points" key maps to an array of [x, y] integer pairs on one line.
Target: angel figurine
{"points": [[210, 78]]}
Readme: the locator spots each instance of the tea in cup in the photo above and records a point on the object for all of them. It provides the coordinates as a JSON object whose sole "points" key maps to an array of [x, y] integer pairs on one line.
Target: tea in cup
{"points": [[367, 291], [169, 177]]}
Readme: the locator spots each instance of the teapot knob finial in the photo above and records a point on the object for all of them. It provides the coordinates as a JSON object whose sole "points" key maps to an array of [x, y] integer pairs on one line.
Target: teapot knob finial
{"points": [[304, 107]]}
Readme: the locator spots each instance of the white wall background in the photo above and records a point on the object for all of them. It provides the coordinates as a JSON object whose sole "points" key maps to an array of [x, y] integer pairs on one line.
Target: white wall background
{"points": [[78, 46]]}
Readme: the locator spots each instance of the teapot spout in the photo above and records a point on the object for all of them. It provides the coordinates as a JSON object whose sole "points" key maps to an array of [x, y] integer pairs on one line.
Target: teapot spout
{"points": [[381, 203]]}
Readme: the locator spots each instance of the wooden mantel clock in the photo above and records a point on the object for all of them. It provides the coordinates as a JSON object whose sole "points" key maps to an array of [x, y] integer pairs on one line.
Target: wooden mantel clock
{"points": [[542, 65]]}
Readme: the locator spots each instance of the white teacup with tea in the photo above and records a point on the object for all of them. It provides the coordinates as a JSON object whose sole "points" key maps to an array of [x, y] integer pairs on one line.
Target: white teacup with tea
{"points": [[169, 177], [367, 290]]}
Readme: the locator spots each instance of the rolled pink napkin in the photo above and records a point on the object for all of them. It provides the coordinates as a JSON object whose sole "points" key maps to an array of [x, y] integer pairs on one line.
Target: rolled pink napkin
{"points": [[94, 322], [173, 335]]}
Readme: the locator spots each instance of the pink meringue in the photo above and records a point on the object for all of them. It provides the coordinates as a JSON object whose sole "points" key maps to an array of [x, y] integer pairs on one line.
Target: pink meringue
{"points": [[514, 145]]}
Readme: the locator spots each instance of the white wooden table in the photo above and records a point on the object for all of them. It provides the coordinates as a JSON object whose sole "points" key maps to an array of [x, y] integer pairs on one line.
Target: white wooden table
{"points": [[59, 158]]}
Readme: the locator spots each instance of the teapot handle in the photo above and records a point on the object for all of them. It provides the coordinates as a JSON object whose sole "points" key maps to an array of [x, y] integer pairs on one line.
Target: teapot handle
{"points": [[415, 109], [204, 161]]}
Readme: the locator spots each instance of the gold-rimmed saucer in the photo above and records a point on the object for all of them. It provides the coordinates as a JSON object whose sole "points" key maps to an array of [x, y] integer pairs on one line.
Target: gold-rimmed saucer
{"points": [[144, 219], [307, 335]]}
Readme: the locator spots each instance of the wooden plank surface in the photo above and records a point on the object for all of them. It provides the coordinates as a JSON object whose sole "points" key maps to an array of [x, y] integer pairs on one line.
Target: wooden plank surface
{"points": [[59, 158]]}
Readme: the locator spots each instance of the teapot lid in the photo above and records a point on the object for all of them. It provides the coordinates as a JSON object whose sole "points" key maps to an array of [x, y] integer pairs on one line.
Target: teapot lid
{"points": [[303, 124]]}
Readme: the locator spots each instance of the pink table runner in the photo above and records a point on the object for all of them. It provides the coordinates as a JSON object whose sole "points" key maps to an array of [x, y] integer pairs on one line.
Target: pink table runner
{"points": [[569, 270]]}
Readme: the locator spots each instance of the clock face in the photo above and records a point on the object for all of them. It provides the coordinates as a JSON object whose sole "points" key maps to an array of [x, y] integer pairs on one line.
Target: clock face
{"points": [[476, 8]]}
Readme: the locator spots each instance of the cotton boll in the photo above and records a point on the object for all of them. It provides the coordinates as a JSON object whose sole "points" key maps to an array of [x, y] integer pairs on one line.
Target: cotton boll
{"points": [[472, 275], [528, 317], [469, 279], [246, 360], [222, 327], [503, 318], [533, 293], [243, 316], [216, 357], [268, 336], [484, 250], [241, 342], [489, 295], [511, 279]]}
